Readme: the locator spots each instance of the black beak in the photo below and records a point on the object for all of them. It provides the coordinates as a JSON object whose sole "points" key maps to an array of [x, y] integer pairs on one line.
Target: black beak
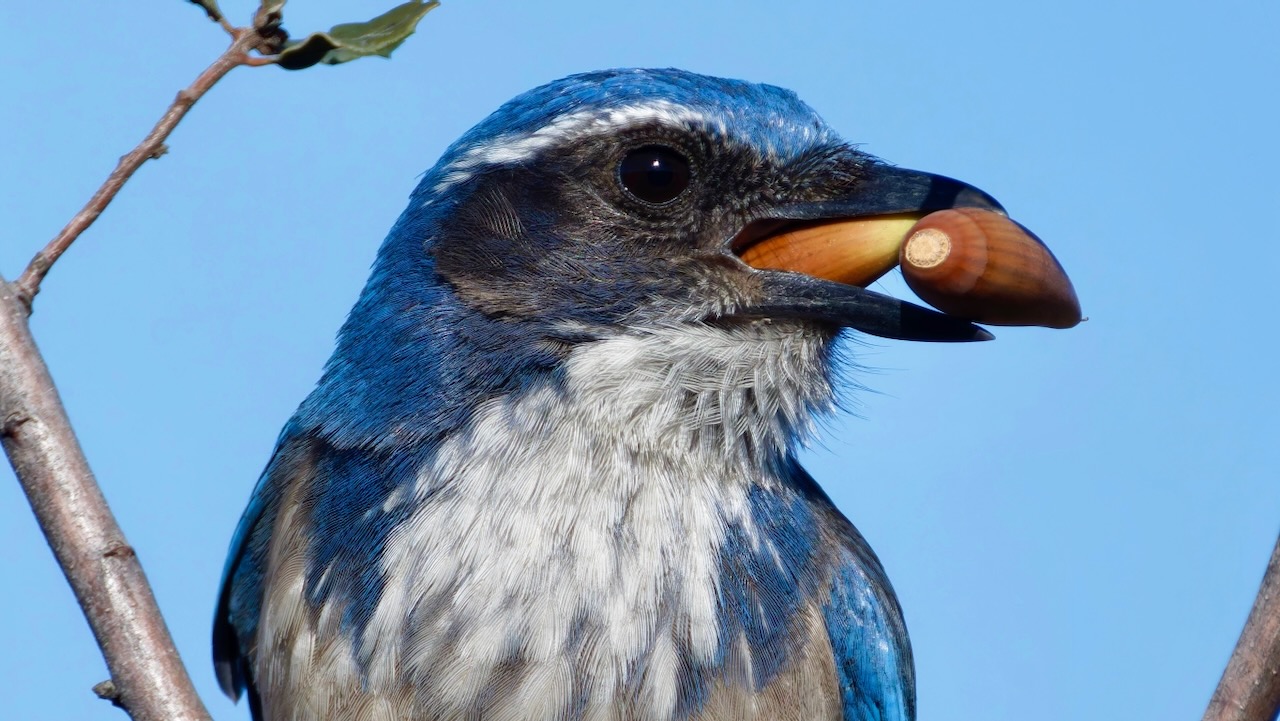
{"points": [[887, 190], [798, 296]]}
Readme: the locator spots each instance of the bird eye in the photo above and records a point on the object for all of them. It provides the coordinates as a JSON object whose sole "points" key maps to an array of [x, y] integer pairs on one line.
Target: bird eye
{"points": [[654, 173]]}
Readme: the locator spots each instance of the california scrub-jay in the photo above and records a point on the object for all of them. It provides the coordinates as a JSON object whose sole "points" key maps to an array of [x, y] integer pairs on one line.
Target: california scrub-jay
{"points": [[550, 470]]}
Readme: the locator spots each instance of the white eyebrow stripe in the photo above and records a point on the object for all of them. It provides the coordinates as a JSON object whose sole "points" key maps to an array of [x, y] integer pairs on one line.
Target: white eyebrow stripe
{"points": [[518, 147]]}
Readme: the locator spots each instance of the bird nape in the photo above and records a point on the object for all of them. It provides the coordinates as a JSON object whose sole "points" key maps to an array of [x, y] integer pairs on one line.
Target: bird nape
{"points": [[550, 469]]}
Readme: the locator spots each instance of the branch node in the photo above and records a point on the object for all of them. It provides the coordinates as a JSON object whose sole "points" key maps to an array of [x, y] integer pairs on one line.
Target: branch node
{"points": [[9, 429], [23, 291], [160, 150], [272, 36], [106, 690], [120, 550]]}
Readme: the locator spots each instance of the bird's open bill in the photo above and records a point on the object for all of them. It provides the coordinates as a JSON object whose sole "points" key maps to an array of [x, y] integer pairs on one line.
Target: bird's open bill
{"points": [[957, 248]]}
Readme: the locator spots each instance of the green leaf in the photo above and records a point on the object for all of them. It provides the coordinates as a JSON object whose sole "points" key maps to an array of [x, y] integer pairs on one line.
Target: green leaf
{"points": [[350, 41], [210, 8]]}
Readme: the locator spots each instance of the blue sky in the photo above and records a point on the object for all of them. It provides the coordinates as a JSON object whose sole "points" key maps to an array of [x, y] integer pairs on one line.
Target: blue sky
{"points": [[1075, 521]]}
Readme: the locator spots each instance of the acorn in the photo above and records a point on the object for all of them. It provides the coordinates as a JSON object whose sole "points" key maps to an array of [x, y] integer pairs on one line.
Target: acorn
{"points": [[982, 266], [856, 251]]}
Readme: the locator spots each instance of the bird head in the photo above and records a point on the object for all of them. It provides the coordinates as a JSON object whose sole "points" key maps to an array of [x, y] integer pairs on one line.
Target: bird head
{"points": [[603, 204], [621, 198]]}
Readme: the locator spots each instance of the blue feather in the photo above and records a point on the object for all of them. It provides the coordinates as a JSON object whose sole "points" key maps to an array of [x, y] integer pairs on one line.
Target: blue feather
{"points": [[869, 639]]}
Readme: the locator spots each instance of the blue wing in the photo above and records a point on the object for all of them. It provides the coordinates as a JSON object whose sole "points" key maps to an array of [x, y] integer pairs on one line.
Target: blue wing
{"points": [[333, 491], [235, 621], [868, 636]]}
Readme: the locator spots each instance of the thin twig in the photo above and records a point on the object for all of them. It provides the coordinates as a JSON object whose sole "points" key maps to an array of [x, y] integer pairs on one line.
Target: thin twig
{"points": [[149, 679], [1250, 687], [258, 61], [28, 284]]}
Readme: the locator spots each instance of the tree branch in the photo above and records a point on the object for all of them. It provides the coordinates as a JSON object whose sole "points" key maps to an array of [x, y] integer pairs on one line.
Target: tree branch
{"points": [[1250, 686], [28, 284], [149, 679]]}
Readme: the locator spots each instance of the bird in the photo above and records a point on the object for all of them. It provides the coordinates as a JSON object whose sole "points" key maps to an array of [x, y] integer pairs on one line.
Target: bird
{"points": [[550, 470]]}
